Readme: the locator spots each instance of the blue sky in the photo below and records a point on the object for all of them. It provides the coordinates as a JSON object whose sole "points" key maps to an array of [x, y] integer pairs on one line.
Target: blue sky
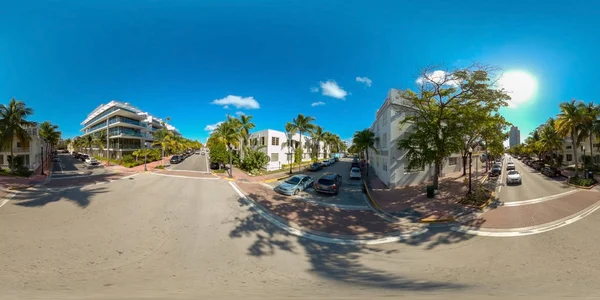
{"points": [[174, 58]]}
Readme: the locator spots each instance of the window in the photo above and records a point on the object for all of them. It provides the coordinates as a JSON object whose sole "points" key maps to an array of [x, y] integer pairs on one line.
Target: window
{"points": [[569, 147], [384, 141], [262, 140], [18, 144], [569, 157], [452, 161], [274, 156], [275, 141], [413, 170], [384, 167]]}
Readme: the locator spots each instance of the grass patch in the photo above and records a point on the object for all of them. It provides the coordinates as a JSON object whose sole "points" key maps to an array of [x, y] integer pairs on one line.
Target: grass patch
{"points": [[160, 167], [219, 171], [580, 181], [479, 196]]}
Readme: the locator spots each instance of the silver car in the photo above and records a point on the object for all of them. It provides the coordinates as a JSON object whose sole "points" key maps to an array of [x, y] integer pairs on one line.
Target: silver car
{"points": [[294, 185], [513, 177], [355, 173]]}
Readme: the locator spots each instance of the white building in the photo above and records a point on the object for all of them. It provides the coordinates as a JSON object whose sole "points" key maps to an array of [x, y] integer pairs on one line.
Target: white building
{"points": [[389, 163], [31, 153], [129, 128], [274, 143]]}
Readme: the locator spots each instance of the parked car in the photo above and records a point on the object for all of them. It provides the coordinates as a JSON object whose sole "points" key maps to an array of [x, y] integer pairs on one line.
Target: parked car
{"points": [[332, 161], [496, 171], [510, 166], [83, 157], [294, 185], [514, 177], [355, 173], [355, 160], [176, 159], [315, 167], [551, 171], [336, 158], [214, 166], [326, 162], [355, 165], [538, 165], [329, 183], [56, 159], [92, 161]]}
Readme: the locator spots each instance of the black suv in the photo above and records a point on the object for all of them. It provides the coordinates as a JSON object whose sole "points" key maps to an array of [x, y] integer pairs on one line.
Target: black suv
{"points": [[176, 159], [315, 167], [329, 183]]}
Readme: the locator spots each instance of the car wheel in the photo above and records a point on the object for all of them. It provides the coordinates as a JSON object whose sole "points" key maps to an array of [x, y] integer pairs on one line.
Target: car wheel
{"points": [[296, 191]]}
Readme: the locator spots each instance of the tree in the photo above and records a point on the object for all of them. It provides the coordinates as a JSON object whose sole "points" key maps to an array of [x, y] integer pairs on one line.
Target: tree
{"points": [[100, 141], [435, 126], [550, 139], [218, 152], [228, 133], [254, 160], [588, 129], [50, 133], [245, 125], [364, 140], [301, 124], [567, 123], [164, 139], [317, 136], [13, 124]]}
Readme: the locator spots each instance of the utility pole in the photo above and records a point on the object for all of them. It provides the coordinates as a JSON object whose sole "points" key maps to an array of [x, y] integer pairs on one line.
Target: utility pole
{"points": [[107, 143]]}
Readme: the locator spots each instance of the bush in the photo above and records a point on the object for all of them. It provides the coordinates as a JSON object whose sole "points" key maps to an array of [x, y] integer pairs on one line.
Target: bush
{"points": [[254, 160], [160, 167], [219, 171], [128, 159], [479, 196], [580, 181], [298, 156]]}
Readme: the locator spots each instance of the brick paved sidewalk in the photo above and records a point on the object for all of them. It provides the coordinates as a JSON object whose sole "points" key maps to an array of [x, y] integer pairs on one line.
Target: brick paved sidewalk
{"points": [[412, 202], [315, 218], [241, 176], [15, 182], [184, 173], [507, 217]]}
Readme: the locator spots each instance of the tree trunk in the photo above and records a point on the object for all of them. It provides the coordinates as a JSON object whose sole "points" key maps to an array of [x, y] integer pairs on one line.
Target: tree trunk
{"points": [[367, 155], [12, 157], [230, 163], [591, 148], [574, 145], [163, 156], [464, 163], [301, 154], [436, 175]]}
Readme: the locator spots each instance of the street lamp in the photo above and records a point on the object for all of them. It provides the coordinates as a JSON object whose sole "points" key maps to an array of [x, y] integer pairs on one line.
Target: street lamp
{"points": [[583, 161], [42, 154], [470, 164], [145, 156], [289, 137]]}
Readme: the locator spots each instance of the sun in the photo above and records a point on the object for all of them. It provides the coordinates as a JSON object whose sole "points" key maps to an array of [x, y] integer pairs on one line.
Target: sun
{"points": [[519, 85]]}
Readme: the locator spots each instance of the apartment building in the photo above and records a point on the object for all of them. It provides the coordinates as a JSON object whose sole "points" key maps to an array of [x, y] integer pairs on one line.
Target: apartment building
{"points": [[585, 148], [275, 144], [31, 153], [389, 162], [129, 128], [515, 137]]}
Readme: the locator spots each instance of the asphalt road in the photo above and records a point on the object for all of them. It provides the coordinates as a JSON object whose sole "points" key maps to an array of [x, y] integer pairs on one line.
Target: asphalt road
{"points": [[350, 192], [70, 166], [195, 162], [535, 184], [158, 237]]}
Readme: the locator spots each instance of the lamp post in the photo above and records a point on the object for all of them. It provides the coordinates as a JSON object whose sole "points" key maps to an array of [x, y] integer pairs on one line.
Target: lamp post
{"points": [[583, 162], [145, 156], [470, 164], [42, 154], [290, 161]]}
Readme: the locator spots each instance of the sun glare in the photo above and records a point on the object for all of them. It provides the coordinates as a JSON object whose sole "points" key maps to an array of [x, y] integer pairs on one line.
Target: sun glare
{"points": [[520, 86]]}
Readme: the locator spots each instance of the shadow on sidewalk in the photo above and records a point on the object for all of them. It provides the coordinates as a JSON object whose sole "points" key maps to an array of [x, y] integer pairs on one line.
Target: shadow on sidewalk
{"points": [[77, 195], [333, 261]]}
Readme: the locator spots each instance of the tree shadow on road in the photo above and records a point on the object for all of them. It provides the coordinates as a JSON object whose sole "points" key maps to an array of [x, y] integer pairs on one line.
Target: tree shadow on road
{"points": [[339, 262], [78, 195]]}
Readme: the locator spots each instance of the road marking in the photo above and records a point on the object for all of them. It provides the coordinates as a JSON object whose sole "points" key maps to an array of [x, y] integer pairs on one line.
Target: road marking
{"points": [[531, 230], [321, 238], [132, 175], [538, 200], [181, 176], [8, 198]]}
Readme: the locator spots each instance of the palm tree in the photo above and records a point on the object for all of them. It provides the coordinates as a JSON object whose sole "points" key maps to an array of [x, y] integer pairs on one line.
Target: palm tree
{"points": [[550, 139], [567, 122], [245, 126], [364, 140], [49, 132], [100, 141], [228, 132], [163, 138], [68, 142], [589, 125], [13, 124], [302, 124], [317, 136]]}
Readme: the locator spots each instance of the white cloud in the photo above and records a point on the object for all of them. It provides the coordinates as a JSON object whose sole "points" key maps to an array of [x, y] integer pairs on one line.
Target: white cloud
{"points": [[317, 103], [438, 76], [314, 89], [212, 127], [332, 89], [238, 102], [240, 113], [364, 80]]}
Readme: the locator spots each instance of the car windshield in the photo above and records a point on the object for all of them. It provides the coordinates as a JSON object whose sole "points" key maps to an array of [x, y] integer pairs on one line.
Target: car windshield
{"points": [[355, 170], [513, 173], [293, 180], [325, 181], [175, 157]]}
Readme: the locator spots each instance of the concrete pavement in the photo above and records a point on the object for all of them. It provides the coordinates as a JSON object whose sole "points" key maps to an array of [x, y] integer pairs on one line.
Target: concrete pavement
{"points": [[158, 237], [195, 162]]}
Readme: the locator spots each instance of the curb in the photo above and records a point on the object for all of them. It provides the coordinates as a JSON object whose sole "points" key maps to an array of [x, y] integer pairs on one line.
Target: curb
{"points": [[277, 179], [373, 203]]}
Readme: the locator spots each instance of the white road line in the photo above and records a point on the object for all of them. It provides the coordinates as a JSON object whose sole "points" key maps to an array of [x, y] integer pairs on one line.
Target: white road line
{"points": [[181, 176], [320, 238], [539, 200], [8, 198], [524, 231], [133, 175], [266, 185]]}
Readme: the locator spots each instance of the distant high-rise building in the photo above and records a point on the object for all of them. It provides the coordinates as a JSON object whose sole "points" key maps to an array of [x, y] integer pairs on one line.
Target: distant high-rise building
{"points": [[515, 136]]}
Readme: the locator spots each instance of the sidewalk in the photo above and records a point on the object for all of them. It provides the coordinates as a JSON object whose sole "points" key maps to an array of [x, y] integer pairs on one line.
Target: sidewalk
{"points": [[16, 182], [240, 175], [151, 166], [412, 202]]}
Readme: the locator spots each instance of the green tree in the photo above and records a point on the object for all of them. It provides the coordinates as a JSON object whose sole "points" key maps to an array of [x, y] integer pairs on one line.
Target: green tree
{"points": [[301, 124], [49, 132], [218, 152], [435, 125], [317, 136], [568, 121], [228, 132], [254, 160], [164, 139], [13, 124], [588, 129], [245, 125], [364, 141]]}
